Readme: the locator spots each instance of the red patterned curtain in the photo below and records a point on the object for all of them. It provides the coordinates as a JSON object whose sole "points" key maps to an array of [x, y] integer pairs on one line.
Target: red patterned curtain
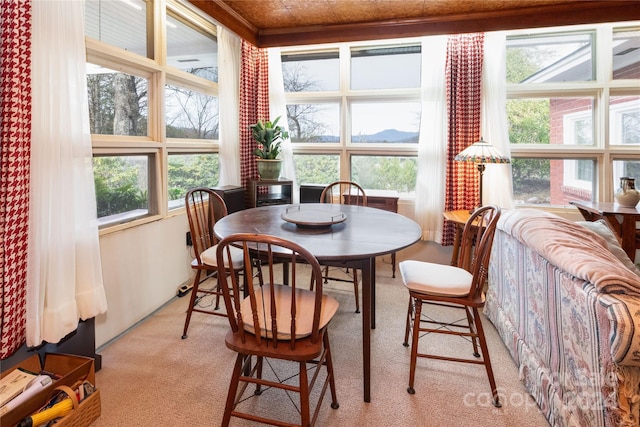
{"points": [[464, 80], [254, 104], [15, 114]]}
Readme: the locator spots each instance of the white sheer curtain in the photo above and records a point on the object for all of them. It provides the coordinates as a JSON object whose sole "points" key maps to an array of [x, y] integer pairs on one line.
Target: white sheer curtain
{"points": [[497, 184], [430, 182], [64, 274], [229, 101], [278, 107]]}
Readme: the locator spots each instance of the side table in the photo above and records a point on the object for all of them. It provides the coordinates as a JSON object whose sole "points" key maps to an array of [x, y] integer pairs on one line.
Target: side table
{"points": [[459, 218], [278, 192]]}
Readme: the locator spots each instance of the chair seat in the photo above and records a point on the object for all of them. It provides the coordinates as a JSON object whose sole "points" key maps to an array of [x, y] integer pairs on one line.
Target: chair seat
{"points": [[208, 257], [435, 279], [305, 301]]}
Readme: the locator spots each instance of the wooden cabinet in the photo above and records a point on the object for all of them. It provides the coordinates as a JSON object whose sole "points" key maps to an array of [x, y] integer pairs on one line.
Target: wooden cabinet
{"points": [[269, 192], [234, 197], [310, 193], [383, 199]]}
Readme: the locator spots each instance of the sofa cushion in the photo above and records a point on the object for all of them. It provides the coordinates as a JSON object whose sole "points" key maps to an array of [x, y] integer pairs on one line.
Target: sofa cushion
{"points": [[601, 228]]}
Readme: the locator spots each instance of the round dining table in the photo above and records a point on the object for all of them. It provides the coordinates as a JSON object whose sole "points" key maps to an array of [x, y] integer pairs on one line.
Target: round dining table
{"points": [[337, 235]]}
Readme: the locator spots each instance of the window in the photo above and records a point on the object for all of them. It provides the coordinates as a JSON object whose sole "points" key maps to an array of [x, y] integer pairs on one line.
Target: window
{"points": [[117, 102], [626, 53], [122, 24], [354, 111], [190, 114], [624, 119], [550, 57], [389, 67], [187, 171], [317, 168], [560, 96], [314, 122], [311, 71], [191, 48], [122, 187], [385, 122], [385, 173], [154, 122]]}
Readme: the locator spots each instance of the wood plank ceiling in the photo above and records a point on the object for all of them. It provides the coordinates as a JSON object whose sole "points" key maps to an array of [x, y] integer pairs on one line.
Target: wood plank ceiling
{"points": [[268, 23]]}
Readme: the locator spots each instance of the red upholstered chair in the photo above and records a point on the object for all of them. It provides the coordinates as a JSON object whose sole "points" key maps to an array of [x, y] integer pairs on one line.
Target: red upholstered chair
{"points": [[457, 287], [276, 321], [345, 193], [204, 206]]}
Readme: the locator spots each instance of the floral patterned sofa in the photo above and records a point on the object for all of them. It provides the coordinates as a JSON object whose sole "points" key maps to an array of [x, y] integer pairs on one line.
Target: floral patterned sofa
{"points": [[568, 310]]}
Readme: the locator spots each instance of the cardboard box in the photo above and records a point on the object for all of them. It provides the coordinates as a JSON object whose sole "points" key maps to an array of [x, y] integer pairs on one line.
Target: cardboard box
{"points": [[70, 368]]}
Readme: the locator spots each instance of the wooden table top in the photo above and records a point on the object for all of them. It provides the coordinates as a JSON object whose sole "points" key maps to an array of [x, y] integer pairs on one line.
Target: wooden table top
{"points": [[366, 233], [606, 208], [459, 217], [621, 219]]}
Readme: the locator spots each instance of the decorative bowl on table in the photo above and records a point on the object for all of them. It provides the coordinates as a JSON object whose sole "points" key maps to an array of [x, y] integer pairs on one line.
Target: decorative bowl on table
{"points": [[312, 217]]}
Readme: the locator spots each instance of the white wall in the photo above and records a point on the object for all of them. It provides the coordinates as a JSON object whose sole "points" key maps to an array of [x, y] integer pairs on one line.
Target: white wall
{"points": [[142, 268]]}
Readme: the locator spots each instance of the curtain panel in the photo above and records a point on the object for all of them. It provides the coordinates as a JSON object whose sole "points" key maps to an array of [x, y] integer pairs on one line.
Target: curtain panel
{"points": [[64, 271], [254, 104], [464, 81], [15, 114], [498, 184], [433, 139], [278, 108], [229, 93]]}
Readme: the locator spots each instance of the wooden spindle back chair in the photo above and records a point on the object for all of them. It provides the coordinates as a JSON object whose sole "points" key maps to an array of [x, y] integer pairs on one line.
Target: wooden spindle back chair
{"points": [[461, 287], [344, 193], [277, 321], [204, 206]]}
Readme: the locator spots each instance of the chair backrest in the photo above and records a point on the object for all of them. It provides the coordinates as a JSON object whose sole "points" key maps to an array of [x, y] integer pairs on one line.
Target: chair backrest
{"points": [[268, 313], [344, 193], [204, 206], [475, 246]]}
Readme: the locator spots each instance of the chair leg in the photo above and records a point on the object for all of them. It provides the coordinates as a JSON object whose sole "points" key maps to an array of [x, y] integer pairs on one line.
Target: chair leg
{"points": [[355, 289], [258, 390], [218, 294], [326, 274], [233, 389], [304, 395], [332, 381], [467, 310], [408, 325], [192, 301], [485, 357], [414, 345]]}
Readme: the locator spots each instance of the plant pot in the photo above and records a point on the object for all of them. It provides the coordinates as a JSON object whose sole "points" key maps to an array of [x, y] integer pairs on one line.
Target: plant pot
{"points": [[269, 169]]}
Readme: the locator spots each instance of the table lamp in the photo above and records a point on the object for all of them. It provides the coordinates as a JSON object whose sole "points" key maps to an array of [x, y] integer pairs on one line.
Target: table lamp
{"points": [[481, 152]]}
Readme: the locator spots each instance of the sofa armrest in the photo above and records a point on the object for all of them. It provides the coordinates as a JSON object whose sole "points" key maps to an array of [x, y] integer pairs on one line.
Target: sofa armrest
{"points": [[623, 315]]}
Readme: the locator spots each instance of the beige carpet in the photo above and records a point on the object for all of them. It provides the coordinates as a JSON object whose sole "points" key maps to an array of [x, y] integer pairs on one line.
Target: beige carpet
{"points": [[151, 377]]}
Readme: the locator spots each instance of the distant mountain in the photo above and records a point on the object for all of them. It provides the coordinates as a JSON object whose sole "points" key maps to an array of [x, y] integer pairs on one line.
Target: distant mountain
{"points": [[388, 135]]}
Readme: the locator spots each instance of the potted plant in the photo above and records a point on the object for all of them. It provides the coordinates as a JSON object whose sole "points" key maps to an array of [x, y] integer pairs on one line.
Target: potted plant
{"points": [[270, 137]]}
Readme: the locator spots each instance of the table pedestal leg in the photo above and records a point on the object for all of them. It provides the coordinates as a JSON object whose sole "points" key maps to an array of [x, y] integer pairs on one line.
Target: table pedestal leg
{"points": [[368, 284]]}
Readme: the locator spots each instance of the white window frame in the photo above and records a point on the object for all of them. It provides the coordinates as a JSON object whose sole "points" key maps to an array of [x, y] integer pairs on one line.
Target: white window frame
{"points": [[155, 143], [345, 96], [601, 88]]}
